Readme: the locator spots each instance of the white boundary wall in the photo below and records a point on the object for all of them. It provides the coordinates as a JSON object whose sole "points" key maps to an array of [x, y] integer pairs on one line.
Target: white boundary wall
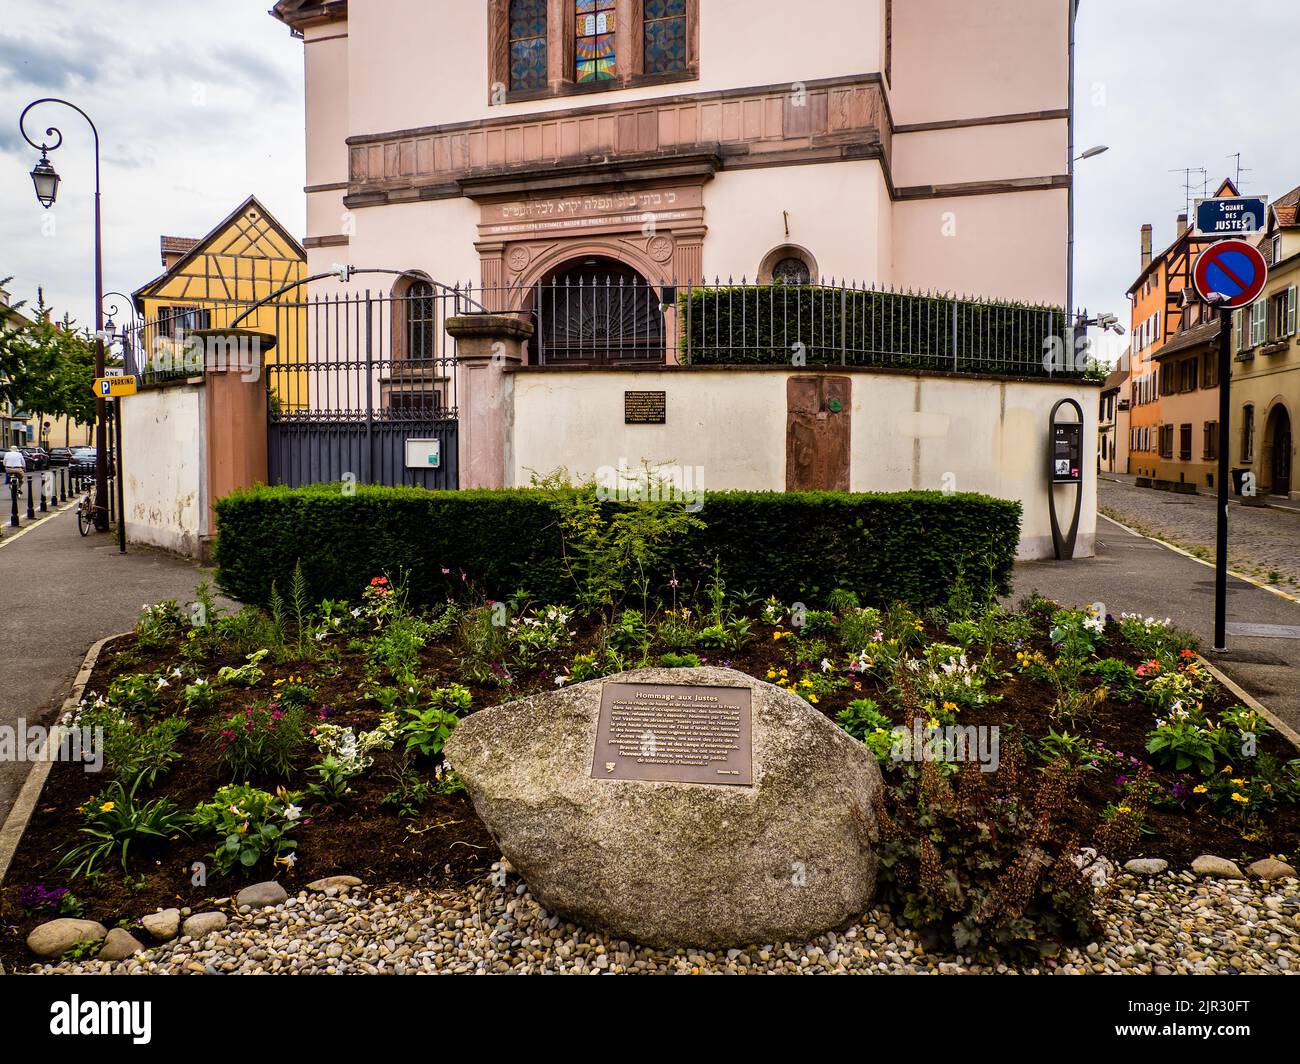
{"points": [[163, 453], [908, 432]]}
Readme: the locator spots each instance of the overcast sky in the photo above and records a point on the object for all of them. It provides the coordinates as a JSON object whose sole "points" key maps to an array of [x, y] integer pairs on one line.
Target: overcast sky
{"points": [[200, 103]]}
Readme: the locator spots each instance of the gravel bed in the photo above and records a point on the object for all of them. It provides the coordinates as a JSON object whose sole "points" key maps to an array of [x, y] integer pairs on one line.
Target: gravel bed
{"points": [[1174, 923]]}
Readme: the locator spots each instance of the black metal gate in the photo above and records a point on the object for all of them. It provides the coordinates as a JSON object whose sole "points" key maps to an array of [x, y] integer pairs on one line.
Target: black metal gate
{"points": [[362, 387]]}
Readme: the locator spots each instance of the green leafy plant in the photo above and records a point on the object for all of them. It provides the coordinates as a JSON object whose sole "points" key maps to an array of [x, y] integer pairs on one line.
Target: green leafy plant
{"points": [[248, 675], [428, 728], [250, 825], [201, 696], [159, 626], [979, 870], [133, 750], [679, 661], [136, 692], [116, 821], [261, 742]]}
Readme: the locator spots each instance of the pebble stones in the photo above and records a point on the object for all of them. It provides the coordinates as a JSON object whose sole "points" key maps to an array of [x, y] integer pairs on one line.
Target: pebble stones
{"points": [[333, 884], [1146, 866], [1167, 923]]}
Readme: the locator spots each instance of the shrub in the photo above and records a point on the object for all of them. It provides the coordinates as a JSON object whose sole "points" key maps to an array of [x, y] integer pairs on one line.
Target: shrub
{"points": [[883, 547], [761, 324], [979, 870]]}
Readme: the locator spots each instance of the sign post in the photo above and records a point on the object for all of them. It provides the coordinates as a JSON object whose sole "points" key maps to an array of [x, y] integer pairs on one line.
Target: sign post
{"points": [[1228, 275]]}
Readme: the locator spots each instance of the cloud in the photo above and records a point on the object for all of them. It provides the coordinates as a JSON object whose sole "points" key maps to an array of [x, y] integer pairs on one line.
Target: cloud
{"points": [[54, 65]]}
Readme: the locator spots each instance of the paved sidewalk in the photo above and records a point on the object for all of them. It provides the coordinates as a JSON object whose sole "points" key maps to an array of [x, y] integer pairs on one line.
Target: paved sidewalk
{"points": [[1132, 574], [59, 593], [1264, 541]]}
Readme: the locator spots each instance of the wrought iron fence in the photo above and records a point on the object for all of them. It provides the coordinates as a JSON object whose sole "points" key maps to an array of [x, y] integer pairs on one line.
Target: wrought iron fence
{"points": [[355, 377], [620, 319]]}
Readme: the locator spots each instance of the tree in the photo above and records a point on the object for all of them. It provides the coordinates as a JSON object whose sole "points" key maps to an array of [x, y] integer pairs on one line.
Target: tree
{"points": [[47, 368]]}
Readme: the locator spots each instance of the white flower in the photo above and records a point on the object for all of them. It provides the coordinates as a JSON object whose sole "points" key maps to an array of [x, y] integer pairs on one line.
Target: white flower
{"points": [[356, 612], [560, 681], [290, 860], [321, 636], [292, 812], [162, 683], [176, 673], [826, 665]]}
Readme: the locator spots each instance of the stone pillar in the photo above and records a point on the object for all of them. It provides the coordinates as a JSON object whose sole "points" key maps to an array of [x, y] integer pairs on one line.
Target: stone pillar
{"points": [[235, 414], [487, 347]]}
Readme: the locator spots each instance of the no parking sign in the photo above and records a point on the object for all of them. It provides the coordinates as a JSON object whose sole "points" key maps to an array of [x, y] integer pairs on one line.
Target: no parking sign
{"points": [[1233, 272]]}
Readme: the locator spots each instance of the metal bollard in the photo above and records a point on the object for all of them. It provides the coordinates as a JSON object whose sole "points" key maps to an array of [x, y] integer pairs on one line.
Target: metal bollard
{"points": [[45, 492], [31, 486], [13, 503], [63, 484]]}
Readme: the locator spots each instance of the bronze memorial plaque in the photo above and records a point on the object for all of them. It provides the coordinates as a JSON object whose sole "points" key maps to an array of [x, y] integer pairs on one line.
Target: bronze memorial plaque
{"points": [[645, 408], [666, 732]]}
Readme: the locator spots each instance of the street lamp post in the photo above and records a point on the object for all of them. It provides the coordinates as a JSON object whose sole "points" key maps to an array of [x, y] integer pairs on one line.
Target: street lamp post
{"points": [[46, 182]]}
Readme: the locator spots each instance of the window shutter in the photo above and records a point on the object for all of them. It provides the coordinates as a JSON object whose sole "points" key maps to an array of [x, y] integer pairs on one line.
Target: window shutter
{"points": [[1238, 323], [1290, 310]]}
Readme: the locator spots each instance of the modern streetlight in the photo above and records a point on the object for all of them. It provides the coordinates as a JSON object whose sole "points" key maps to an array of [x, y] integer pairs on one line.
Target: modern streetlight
{"points": [[46, 181], [1094, 151]]}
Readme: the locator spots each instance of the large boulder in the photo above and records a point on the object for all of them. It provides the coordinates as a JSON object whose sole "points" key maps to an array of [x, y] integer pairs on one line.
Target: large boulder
{"points": [[669, 863]]}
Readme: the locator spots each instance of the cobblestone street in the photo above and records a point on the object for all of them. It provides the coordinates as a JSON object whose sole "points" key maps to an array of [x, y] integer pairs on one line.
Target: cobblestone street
{"points": [[1263, 542]]}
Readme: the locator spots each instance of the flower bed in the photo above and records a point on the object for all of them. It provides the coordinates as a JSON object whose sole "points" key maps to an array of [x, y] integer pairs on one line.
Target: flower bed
{"points": [[305, 740]]}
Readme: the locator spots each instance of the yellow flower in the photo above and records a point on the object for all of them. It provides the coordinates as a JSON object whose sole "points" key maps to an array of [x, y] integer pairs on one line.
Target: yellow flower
{"points": [[1239, 797], [1123, 809], [932, 723], [277, 683], [1200, 788], [108, 807], [950, 707], [771, 674], [1227, 770], [812, 698], [1239, 783]]}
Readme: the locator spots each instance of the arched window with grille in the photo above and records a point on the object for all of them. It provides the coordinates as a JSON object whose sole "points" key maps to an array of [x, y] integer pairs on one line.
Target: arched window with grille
{"points": [[528, 48]]}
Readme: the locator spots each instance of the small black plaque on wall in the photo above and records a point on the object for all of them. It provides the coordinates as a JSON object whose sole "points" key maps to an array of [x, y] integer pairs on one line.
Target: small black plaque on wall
{"points": [[645, 408]]}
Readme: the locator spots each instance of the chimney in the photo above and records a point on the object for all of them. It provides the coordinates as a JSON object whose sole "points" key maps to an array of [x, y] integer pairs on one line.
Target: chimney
{"points": [[1146, 246], [1182, 224]]}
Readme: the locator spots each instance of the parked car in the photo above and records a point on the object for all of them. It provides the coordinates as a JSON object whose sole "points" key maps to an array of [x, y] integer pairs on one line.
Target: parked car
{"points": [[35, 458], [83, 461], [60, 456]]}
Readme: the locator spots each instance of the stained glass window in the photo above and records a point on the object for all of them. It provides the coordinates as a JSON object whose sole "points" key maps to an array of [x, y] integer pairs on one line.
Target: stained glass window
{"points": [[528, 44], [594, 44], [665, 36]]}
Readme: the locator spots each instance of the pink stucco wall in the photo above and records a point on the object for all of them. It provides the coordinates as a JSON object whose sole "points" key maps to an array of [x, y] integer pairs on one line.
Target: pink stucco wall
{"points": [[402, 64]]}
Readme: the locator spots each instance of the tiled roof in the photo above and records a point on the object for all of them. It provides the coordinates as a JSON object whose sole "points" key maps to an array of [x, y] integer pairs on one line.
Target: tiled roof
{"points": [[178, 245], [1287, 209], [1197, 335]]}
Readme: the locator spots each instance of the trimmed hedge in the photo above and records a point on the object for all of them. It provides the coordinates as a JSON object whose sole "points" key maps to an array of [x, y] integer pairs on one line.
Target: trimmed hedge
{"points": [[862, 327], [797, 546]]}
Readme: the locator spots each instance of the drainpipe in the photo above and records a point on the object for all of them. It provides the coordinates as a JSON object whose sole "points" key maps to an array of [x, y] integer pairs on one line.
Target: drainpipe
{"points": [[1069, 263]]}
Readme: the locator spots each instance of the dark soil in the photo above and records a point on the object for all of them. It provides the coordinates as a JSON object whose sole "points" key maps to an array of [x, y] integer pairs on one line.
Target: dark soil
{"points": [[446, 844]]}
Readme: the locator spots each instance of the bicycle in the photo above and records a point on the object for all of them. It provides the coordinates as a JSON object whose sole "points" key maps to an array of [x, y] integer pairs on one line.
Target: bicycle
{"points": [[86, 510]]}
